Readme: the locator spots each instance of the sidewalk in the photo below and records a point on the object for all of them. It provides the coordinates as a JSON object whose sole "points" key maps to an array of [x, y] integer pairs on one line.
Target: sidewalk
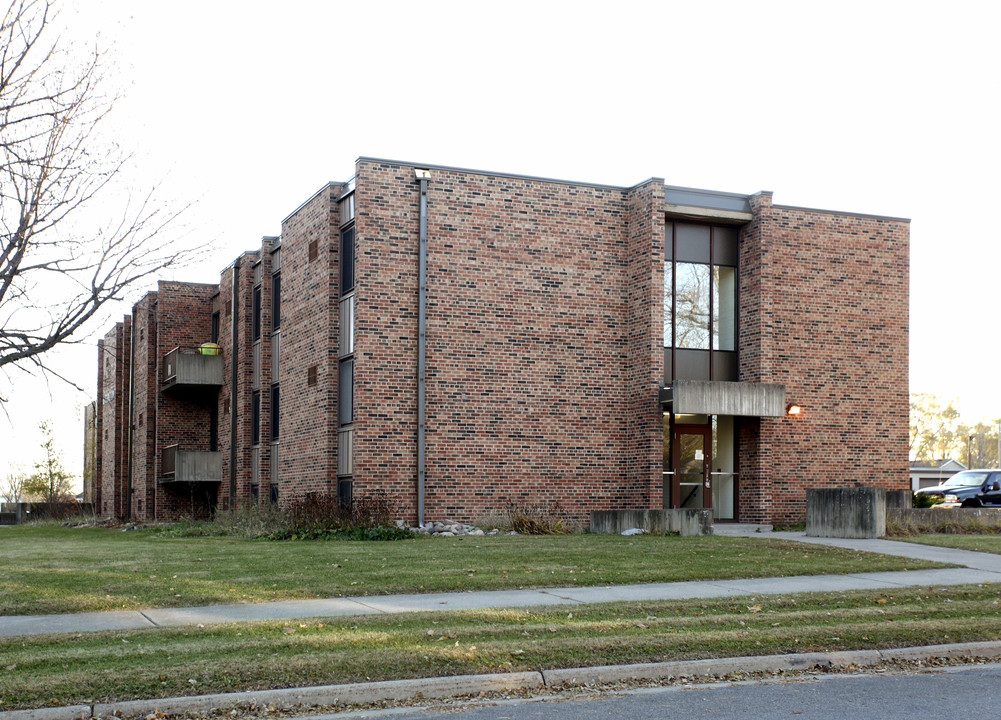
{"points": [[974, 568]]}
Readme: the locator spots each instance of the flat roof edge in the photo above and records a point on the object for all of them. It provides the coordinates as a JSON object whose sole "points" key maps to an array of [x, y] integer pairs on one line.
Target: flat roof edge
{"points": [[311, 198], [890, 218], [513, 176]]}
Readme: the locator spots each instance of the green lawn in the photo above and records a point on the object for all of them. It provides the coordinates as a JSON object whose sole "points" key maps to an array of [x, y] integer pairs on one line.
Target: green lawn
{"points": [[52, 569], [62, 669], [978, 543]]}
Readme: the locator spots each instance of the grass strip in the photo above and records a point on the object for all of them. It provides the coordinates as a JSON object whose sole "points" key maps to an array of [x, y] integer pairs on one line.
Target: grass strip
{"points": [[96, 667], [977, 543], [52, 569]]}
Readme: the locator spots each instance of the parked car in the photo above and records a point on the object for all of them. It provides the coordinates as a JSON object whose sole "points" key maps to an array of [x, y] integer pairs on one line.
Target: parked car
{"points": [[969, 488]]}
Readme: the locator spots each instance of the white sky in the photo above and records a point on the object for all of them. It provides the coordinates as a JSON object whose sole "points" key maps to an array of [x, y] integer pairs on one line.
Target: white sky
{"points": [[880, 107]]}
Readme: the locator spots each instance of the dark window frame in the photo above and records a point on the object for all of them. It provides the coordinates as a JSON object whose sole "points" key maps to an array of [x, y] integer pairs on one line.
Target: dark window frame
{"points": [[346, 260], [345, 381], [717, 258], [255, 332], [255, 418], [275, 425], [276, 301]]}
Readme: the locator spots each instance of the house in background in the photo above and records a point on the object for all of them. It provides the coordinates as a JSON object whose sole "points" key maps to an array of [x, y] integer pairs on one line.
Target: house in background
{"points": [[461, 340], [929, 473]]}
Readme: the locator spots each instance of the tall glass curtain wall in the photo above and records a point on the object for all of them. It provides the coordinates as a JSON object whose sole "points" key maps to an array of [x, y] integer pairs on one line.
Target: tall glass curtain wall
{"points": [[700, 331], [700, 302]]}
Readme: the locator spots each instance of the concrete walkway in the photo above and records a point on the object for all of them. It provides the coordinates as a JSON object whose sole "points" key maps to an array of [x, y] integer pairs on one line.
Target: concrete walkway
{"points": [[974, 568]]}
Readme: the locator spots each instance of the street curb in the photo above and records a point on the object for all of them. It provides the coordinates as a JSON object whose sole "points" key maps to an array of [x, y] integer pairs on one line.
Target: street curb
{"points": [[764, 663], [328, 694], [68, 712], [440, 687]]}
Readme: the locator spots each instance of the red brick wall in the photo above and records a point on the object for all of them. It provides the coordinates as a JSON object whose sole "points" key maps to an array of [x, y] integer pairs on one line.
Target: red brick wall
{"points": [[113, 383], [544, 352], [183, 317], [645, 358], [144, 403], [237, 400], [529, 349], [823, 311], [307, 449]]}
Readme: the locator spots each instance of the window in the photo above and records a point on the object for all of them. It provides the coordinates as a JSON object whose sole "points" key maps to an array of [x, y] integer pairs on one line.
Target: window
{"points": [[344, 492], [347, 260], [345, 451], [314, 250], [700, 302], [229, 308], [347, 208], [347, 326], [214, 331], [345, 405], [274, 412], [256, 313], [276, 301], [255, 418], [311, 374]]}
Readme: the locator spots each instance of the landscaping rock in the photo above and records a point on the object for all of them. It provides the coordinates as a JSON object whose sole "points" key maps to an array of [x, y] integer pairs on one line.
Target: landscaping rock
{"points": [[453, 529]]}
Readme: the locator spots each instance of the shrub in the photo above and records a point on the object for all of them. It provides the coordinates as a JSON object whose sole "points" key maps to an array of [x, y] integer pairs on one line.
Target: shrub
{"points": [[924, 500], [316, 516], [249, 519], [548, 519]]}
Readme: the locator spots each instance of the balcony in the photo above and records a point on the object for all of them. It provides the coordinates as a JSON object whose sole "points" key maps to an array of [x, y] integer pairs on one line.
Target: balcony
{"points": [[189, 466], [192, 368]]}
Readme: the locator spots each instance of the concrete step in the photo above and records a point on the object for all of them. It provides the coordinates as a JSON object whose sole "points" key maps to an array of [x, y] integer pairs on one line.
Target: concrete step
{"points": [[740, 528]]}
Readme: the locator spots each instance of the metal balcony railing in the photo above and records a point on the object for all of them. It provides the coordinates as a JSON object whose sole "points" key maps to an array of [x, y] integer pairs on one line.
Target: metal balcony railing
{"points": [[168, 461], [188, 366], [189, 466]]}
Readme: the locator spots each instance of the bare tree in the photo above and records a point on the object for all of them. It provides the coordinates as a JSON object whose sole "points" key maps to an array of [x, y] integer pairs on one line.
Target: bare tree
{"points": [[935, 428], [12, 488], [62, 257]]}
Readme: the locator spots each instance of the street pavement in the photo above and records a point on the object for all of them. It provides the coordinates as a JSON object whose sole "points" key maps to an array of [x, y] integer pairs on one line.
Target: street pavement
{"points": [[974, 567], [973, 693]]}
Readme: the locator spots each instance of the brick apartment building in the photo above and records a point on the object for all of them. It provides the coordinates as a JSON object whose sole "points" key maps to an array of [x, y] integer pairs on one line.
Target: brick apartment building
{"points": [[463, 339]]}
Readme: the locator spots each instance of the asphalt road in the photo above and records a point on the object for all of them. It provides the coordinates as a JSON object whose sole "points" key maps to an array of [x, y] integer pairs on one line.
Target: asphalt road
{"points": [[970, 693]]}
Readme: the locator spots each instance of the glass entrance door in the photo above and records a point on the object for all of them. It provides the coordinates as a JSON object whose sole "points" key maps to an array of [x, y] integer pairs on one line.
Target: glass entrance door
{"points": [[692, 464]]}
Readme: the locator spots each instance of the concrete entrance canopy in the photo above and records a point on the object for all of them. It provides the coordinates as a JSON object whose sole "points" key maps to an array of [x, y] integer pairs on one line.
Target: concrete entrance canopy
{"points": [[698, 397]]}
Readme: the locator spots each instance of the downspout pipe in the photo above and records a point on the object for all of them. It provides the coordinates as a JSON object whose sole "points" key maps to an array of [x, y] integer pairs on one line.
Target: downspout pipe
{"points": [[234, 376], [423, 176]]}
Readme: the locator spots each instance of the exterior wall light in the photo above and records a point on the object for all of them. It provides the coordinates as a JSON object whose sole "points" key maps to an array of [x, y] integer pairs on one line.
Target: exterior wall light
{"points": [[793, 409]]}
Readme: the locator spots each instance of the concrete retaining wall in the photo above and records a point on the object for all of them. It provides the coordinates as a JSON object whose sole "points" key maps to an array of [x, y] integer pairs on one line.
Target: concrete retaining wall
{"points": [[852, 512], [912, 521], [683, 522], [903, 499]]}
